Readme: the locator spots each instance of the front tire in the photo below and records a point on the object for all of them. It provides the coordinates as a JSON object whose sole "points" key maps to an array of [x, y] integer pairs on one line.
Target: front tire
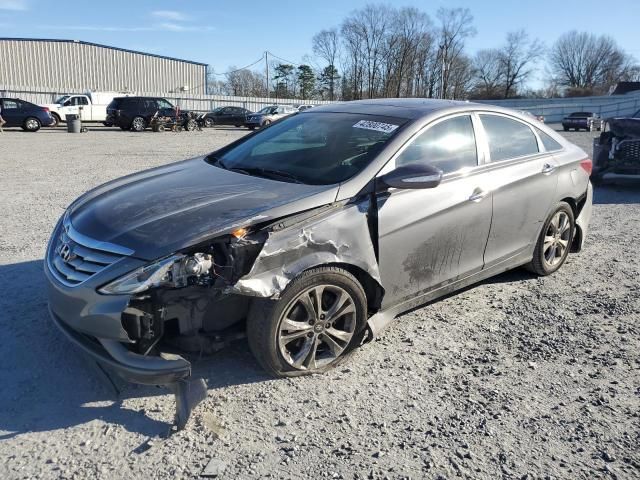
{"points": [[208, 122], [314, 325], [56, 120], [554, 242], [138, 124]]}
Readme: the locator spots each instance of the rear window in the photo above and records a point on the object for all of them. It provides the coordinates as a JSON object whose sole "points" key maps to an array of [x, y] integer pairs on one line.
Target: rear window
{"points": [[115, 104], [550, 145], [508, 138]]}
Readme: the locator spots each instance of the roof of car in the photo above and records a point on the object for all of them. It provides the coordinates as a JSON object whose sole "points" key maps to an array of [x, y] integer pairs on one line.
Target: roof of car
{"points": [[411, 108]]}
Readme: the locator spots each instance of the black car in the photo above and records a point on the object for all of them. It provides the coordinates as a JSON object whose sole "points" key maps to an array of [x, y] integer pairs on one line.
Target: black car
{"points": [[29, 117], [588, 121], [135, 113], [235, 116]]}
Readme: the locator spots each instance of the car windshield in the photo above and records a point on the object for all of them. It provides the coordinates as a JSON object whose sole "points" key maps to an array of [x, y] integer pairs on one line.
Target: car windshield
{"points": [[62, 99], [314, 148], [267, 110]]}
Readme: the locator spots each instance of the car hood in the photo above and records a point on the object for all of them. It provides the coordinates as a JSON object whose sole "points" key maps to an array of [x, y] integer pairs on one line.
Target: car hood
{"points": [[159, 211]]}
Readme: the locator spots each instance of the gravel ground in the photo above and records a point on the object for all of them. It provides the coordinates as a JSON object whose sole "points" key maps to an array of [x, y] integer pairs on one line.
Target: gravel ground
{"points": [[518, 377]]}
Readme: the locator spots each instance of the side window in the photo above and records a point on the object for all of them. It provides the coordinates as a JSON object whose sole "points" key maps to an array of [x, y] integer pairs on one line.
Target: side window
{"points": [[83, 101], [10, 105], [162, 103], [550, 145], [449, 145], [508, 138]]}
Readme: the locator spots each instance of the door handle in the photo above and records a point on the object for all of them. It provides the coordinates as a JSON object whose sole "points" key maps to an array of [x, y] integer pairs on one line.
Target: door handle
{"points": [[478, 194], [548, 168]]}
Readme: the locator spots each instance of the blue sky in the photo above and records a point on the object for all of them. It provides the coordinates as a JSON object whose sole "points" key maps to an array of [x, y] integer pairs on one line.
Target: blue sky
{"points": [[224, 33]]}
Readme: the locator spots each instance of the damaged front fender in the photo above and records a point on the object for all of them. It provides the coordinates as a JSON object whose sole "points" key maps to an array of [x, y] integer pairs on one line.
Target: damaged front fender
{"points": [[337, 234]]}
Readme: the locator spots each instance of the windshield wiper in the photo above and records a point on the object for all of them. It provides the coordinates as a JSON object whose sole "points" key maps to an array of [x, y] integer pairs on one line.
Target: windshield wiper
{"points": [[266, 172]]}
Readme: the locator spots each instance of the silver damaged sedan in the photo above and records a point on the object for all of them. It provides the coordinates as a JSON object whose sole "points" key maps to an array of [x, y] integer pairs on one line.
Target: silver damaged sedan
{"points": [[309, 236]]}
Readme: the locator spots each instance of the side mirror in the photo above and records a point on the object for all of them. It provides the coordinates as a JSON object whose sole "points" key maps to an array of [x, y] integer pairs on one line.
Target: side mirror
{"points": [[413, 177]]}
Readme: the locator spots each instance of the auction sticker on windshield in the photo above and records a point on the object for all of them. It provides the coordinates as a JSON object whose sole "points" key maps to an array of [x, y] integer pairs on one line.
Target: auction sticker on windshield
{"points": [[377, 126]]}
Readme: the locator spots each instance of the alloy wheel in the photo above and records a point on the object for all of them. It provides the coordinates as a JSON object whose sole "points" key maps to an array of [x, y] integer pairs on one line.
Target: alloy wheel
{"points": [[317, 327], [556, 239], [32, 124]]}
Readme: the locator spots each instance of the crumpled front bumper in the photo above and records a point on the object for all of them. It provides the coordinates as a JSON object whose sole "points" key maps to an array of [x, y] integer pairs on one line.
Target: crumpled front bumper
{"points": [[93, 323]]}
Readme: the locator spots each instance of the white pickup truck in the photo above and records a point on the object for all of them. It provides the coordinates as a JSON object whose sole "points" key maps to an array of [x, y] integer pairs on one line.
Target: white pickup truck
{"points": [[91, 106]]}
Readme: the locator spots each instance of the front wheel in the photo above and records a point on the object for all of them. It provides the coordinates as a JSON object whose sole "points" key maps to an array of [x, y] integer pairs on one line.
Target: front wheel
{"points": [[56, 120], [312, 327], [554, 242], [138, 124], [32, 124], [208, 122]]}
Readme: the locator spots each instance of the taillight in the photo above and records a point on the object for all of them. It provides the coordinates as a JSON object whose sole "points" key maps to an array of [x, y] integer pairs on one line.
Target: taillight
{"points": [[45, 109], [587, 165]]}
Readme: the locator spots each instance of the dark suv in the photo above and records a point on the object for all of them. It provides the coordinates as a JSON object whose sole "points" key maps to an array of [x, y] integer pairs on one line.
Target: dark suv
{"points": [[134, 113]]}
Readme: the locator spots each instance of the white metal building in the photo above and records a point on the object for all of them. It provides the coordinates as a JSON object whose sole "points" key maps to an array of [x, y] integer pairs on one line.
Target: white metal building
{"points": [[73, 65]]}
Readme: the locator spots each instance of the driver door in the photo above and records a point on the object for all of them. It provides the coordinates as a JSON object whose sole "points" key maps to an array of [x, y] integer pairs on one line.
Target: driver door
{"points": [[431, 237]]}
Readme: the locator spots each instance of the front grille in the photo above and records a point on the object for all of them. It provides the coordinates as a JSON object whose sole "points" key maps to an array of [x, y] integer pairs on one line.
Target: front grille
{"points": [[75, 258], [628, 150]]}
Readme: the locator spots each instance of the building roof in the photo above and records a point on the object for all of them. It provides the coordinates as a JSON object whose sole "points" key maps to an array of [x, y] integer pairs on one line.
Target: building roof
{"points": [[98, 45], [625, 87]]}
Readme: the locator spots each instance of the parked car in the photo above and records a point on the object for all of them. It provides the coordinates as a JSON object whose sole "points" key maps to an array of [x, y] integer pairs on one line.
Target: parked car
{"points": [[91, 106], [582, 121], [302, 108], [20, 113], [236, 116], [311, 235], [616, 152], [268, 115], [135, 113]]}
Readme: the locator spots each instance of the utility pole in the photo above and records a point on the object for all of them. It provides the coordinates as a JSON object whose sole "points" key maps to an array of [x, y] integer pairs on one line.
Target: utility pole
{"points": [[266, 63], [443, 50]]}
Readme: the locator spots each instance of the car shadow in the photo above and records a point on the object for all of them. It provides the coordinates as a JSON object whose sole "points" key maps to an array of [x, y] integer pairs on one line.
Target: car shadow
{"points": [[48, 384]]}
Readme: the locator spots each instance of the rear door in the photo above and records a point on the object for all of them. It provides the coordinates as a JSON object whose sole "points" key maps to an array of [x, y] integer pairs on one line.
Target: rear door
{"points": [[431, 237], [523, 181]]}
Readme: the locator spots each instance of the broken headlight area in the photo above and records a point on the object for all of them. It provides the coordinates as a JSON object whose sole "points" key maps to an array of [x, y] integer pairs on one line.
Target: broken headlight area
{"points": [[183, 300]]}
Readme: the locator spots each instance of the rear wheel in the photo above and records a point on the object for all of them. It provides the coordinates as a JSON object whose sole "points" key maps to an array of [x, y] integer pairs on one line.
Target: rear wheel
{"points": [[554, 242], [31, 124], [191, 125], [138, 124], [314, 326]]}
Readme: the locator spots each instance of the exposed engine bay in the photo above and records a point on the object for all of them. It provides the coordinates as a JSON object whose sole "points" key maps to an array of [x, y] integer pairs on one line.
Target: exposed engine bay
{"points": [[616, 153]]}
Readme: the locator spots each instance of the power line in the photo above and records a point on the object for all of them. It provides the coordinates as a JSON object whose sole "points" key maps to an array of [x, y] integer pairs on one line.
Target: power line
{"points": [[284, 59], [238, 69]]}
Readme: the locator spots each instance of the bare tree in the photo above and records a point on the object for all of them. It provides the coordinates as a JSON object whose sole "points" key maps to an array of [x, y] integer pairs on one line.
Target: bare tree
{"points": [[585, 63], [245, 83], [456, 25], [488, 71], [326, 45], [517, 59]]}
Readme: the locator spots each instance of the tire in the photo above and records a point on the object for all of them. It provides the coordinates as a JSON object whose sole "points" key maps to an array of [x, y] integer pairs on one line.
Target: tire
{"points": [[556, 236], [56, 120], [565, 129], [266, 123], [191, 125], [208, 122], [138, 124], [31, 124], [251, 128], [293, 317]]}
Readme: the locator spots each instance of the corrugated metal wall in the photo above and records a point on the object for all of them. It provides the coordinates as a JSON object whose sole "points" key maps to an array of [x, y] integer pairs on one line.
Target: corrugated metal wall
{"points": [[63, 66]]}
